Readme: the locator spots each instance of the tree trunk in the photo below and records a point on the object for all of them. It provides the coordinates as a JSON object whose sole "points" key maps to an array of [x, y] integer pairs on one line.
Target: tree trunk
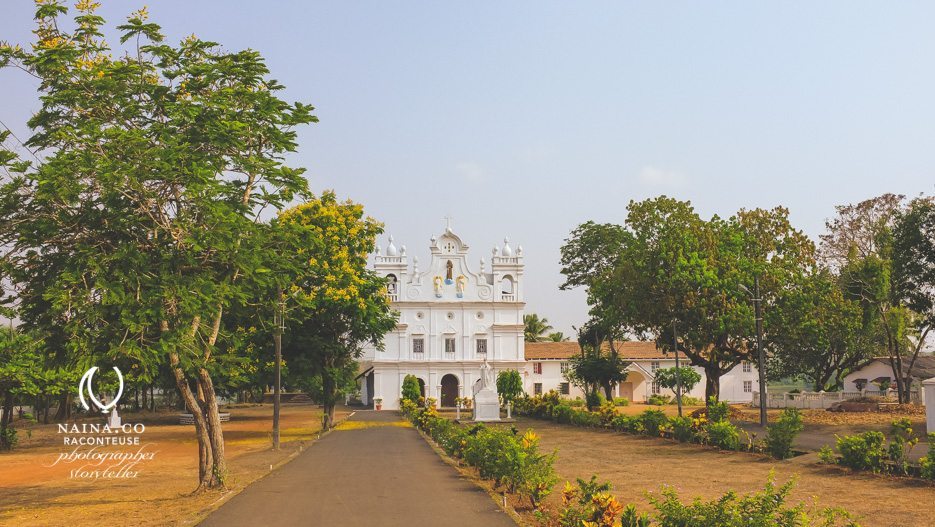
{"points": [[712, 386], [205, 477], [215, 432], [62, 410], [7, 420], [327, 390]]}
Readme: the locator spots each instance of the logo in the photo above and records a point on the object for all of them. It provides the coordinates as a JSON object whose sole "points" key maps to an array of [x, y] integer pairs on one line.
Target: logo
{"points": [[86, 381]]}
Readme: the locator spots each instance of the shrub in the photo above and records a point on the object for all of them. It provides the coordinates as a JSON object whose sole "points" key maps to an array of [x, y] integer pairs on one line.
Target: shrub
{"points": [[621, 423], [688, 400], [826, 455], [927, 462], [590, 503], [658, 400], [863, 451], [10, 438], [607, 412], [717, 411], [585, 418], [577, 402], [411, 391], [509, 385], [562, 413], [593, 400], [902, 441], [621, 401], [723, 435], [682, 429], [781, 435], [767, 508], [653, 422]]}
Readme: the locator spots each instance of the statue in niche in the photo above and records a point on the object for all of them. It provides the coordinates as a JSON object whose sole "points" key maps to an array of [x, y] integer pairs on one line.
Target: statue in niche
{"points": [[437, 282], [461, 282], [448, 268]]}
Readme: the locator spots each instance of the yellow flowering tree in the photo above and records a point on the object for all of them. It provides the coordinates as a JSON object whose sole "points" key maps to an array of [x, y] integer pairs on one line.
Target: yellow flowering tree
{"points": [[335, 303]]}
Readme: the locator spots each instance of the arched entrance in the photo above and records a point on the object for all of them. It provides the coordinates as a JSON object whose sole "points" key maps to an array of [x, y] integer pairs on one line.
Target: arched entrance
{"points": [[449, 391], [421, 387]]}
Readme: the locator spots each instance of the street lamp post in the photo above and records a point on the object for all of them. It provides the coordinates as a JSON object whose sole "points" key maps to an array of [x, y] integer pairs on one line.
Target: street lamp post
{"points": [[678, 371], [279, 325], [760, 356]]}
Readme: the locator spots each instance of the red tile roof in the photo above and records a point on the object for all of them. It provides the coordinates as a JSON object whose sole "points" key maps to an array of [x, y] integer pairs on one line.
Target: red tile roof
{"points": [[565, 350]]}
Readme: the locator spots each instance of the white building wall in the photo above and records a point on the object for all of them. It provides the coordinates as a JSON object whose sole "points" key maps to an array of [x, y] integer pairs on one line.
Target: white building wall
{"points": [[869, 372]]}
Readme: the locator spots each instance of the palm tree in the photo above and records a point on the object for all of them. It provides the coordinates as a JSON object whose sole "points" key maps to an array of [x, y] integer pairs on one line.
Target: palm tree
{"points": [[557, 336], [536, 328]]}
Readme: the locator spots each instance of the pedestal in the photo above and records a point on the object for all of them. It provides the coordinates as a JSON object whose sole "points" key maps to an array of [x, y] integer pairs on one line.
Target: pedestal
{"points": [[486, 405], [113, 419], [929, 387]]}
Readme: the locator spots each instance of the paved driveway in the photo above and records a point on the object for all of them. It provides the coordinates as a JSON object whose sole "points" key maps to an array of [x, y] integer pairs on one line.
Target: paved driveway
{"points": [[374, 471]]}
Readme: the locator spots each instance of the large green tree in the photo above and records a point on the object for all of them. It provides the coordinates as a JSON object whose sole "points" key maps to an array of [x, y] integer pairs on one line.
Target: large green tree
{"points": [[879, 246], [673, 266], [138, 218], [337, 305], [536, 328]]}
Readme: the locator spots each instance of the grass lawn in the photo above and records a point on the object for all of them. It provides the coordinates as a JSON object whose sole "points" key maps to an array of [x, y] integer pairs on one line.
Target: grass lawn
{"points": [[637, 465], [33, 492]]}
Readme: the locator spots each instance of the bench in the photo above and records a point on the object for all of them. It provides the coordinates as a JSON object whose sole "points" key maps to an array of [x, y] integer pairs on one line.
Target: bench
{"points": [[189, 419]]}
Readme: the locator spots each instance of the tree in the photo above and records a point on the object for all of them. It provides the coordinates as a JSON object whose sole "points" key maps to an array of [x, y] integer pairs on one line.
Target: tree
{"points": [[337, 304], [557, 336], [598, 366], [139, 224], [673, 265], [411, 390], [536, 328], [914, 271], [670, 377], [817, 332], [861, 241], [19, 377], [509, 385]]}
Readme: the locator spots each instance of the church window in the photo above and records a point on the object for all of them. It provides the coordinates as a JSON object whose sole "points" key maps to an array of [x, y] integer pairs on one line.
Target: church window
{"points": [[564, 367], [418, 346], [537, 367], [537, 388], [507, 285], [564, 389], [482, 346], [391, 286], [449, 345]]}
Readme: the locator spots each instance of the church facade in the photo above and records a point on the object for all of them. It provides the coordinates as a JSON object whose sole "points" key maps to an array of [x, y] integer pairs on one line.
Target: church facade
{"points": [[453, 315]]}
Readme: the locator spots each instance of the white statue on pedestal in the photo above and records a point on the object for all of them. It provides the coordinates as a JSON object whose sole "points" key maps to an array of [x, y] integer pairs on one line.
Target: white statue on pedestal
{"points": [[486, 398]]}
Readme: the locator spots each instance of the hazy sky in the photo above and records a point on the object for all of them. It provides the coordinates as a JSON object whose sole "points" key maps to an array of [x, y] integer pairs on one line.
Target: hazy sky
{"points": [[524, 119]]}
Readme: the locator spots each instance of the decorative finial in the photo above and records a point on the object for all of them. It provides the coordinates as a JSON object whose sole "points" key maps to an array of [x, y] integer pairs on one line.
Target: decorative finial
{"points": [[391, 249], [379, 251], [495, 251], [519, 250], [507, 250], [483, 263], [447, 223], [402, 250], [415, 265]]}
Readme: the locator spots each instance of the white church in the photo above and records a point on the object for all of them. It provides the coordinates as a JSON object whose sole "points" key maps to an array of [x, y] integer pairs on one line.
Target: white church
{"points": [[453, 318]]}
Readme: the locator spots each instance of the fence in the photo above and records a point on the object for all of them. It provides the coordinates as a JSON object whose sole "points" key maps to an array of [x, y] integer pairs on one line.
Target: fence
{"points": [[821, 400]]}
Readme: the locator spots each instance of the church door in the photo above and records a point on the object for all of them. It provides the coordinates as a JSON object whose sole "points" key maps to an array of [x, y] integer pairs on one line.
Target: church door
{"points": [[449, 391]]}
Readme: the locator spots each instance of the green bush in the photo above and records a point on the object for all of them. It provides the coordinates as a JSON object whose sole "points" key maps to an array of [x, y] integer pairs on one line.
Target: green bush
{"points": [[588, 503], [411, 390], [688, 400], [767, 508], [863, 451], [717, 410], [682, 429], [826, 455], [621, 401], [653, 422], [723, 435], [658, 400], [902, 441], [10, 438], [607, 412], [927, 462], [593, 399], [562, 413], [577, 402], [585, 418], [781, 435]]}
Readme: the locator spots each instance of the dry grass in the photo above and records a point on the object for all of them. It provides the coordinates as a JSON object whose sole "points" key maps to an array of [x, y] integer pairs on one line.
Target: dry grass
{"points": [[637, 465], [34, 493]]}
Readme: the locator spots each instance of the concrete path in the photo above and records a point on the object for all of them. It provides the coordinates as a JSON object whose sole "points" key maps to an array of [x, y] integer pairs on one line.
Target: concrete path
{"points": [[370, 471]]}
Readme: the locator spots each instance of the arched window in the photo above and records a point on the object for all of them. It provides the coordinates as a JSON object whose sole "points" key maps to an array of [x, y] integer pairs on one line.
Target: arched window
{"points": [[391, 285], [506, 285]]}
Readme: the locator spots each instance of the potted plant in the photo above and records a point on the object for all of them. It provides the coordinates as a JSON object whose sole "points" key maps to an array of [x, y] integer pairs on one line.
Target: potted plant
{"points": [[378, 403]]}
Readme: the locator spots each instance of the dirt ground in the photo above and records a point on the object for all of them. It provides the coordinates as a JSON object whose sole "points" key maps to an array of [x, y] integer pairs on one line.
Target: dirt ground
{"points": [[37, 491], [637, 465]]}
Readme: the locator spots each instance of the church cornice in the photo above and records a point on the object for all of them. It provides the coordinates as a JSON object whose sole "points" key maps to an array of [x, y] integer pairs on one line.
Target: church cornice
{"points": [[465, 303]]}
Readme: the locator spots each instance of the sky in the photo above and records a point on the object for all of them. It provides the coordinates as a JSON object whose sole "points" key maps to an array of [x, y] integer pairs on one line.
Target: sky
{"points": [[525, 119]]}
